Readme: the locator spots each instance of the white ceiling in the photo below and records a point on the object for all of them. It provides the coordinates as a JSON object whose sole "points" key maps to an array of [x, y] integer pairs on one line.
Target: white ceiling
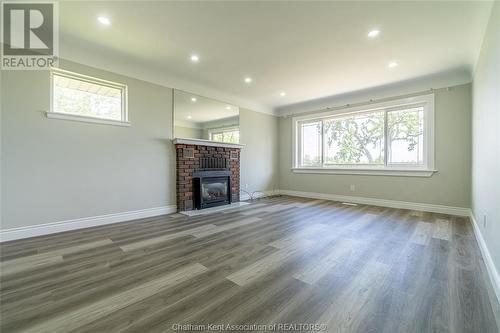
{"points": [[308, 49], [201, 110]]}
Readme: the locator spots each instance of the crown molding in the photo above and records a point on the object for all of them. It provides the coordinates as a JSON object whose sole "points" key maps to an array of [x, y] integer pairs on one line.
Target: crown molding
{"points": [[101, 58], [419, 85], [123, 64]]}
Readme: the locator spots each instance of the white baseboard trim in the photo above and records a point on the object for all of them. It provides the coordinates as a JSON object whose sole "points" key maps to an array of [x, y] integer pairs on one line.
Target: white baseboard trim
{"points": [[86, 222], [460, 211], [258, 194], [488, 261]]}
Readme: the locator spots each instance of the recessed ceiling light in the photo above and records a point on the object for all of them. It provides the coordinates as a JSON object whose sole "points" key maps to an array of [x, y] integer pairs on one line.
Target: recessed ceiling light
{"points": [[248, 80], [228, 107], [193, 99], [195, 58], [282, 94], [189, 117], [104, 20], [393, 64], [373, 33]]}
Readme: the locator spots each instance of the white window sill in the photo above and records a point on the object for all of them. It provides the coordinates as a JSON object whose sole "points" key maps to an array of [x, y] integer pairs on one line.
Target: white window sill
{"points": [[368, 171], [85, 119]]}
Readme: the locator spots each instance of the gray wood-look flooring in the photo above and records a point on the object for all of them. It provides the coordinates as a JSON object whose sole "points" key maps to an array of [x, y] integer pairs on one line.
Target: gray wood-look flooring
{"points": [[281, 260]]}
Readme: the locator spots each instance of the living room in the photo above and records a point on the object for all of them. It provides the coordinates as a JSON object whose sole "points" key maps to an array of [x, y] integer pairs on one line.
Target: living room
{"points": [[250, 165]]}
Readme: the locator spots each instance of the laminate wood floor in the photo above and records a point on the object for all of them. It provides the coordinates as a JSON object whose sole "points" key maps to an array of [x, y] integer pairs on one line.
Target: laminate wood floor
{"points": [[280, 260]]}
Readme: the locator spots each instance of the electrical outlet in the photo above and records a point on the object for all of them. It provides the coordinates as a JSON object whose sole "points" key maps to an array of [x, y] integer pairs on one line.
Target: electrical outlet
{"points": [[484, 221], [352, 188]]}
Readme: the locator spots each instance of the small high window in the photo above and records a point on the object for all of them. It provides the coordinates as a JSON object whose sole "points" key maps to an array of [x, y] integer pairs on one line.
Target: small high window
{"points": [[84, 98]]}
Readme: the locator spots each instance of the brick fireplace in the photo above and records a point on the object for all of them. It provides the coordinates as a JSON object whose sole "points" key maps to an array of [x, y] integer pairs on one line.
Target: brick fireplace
{"points": [[203, 166]]}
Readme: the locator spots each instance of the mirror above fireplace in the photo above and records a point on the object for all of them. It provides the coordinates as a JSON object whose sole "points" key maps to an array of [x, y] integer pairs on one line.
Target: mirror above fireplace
{"points": [[198, 117]]}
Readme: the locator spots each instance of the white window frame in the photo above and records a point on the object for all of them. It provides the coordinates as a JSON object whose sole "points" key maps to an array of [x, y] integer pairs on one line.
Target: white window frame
{"points": [[212, 131], [425, 170], [88, 119]]}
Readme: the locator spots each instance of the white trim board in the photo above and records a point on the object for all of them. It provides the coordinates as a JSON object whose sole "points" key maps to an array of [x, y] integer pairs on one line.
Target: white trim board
{"points": [[460, 211], [488, 260], [85, 222], [367, 172], [257, 194], [86, 119], [215, 209], [203, 142]]}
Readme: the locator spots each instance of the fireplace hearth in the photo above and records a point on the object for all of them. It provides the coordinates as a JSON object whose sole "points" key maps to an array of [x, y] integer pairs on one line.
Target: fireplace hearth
{"points": [[208, 173]]}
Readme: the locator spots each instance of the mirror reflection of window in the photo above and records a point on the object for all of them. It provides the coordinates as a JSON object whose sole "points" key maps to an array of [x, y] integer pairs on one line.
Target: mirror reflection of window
{"points": [[198, 117], [228, 135]]}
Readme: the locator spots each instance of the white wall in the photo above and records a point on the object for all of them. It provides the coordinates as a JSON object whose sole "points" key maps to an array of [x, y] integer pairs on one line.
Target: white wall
{"points": [[57, 170], [486, 140], [54, 170], [188, 132], [259, 158], [449, 187]]}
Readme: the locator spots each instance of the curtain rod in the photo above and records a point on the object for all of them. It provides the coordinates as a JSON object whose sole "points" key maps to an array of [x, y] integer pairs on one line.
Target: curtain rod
{"points": [[370, 101]]}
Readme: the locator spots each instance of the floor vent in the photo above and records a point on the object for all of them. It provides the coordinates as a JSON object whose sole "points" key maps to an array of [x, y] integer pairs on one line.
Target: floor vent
{"points": [[349, 204]]}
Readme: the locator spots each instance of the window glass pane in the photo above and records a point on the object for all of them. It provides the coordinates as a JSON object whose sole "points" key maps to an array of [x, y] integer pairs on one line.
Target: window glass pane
{"points": [[231, 136], [356, 139], [405, 130], [217, 137], [83, 98], [311, 144]]}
